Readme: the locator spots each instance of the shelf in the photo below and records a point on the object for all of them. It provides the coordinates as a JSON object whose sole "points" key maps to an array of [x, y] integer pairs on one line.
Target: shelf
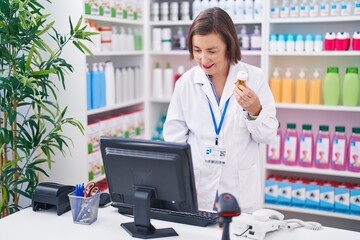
{"points": [[114, 20], [316, 54], [117, 53], [316, 107], [188, 23], [118, 106], [314, 212], [315, 19], [313, 170], [186, 53]]}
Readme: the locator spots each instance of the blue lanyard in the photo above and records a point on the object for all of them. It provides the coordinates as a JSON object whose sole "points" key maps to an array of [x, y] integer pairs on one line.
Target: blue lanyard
{"points": [[218, 128]]}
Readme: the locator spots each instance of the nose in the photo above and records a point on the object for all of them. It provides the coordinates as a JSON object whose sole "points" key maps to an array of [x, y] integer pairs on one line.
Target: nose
{"points": [[204, 58]]}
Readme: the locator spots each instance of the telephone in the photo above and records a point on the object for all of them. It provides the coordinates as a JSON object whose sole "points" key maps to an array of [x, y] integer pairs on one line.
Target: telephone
{"points": [[262, 221]]}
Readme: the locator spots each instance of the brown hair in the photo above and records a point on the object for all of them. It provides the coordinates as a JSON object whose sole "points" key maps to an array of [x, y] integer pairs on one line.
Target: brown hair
{"points": [[216, 20]]}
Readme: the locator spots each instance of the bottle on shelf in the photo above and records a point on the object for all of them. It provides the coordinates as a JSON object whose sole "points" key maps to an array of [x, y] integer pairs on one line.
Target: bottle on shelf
{"points": [[324, 8], [294, 8], [356, 8], [255, 39], [335, 8], [301, 88], [281, 43], [275, 85], [314, 8], [98, 86], [284, 9], [355, 44], [274, 148], [88, 88], [322, 147], [315, 88], [354, 150], [168, 81], [273, 43], [345, 8], [290, 43], [287, 89], [196, 6], [339, 145], [309, 43], [304, 8], [290, 152], [342, 42], [299, 43], [318, 43], [306, 146], [331, 89], [110, 83], [180, 71], [275, 9], [351, 87], [157, 86], [244, 39]]}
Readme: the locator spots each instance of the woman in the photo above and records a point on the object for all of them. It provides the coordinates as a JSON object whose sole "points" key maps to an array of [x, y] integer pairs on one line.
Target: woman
{"points": [[224, 124]]}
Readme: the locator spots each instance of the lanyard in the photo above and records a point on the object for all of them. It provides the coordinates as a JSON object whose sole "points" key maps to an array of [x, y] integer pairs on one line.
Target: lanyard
{"points": [[218, 128]]}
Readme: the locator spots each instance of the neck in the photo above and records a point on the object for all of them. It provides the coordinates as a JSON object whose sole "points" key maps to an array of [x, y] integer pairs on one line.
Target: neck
{"points": [[219, 80]]}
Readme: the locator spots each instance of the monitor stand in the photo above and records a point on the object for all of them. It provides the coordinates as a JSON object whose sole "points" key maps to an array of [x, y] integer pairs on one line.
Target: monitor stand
{"points": [[141, 227]]}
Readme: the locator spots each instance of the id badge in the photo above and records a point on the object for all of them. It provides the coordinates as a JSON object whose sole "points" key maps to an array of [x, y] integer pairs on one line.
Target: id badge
{"points": [[215, 155]]}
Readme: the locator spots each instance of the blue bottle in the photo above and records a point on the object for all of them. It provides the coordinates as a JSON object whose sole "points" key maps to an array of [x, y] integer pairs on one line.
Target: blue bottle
{"points": [[88, 89], [98, 87]]}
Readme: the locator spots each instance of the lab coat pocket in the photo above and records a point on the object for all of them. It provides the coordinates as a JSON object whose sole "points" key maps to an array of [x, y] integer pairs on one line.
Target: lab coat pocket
{"points": [[249, 188]]}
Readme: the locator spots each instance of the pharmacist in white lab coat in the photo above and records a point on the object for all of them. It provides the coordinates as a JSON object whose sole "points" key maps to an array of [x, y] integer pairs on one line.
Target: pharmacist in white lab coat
{"points": [[223, 124]]}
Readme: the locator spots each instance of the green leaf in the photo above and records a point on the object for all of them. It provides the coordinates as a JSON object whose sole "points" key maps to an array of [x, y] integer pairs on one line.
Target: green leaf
{"points": [[71, 27], [86, 49], [78, 46], [78, 23], [28, 61], [44, 30], [42, 72]]}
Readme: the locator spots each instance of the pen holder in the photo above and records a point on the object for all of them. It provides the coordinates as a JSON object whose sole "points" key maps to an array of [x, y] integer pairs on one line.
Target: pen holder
{"points": [[84, 209]]}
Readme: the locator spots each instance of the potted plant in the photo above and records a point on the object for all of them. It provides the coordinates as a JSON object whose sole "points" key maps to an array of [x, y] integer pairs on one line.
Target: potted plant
{"points": [[31, 118]]}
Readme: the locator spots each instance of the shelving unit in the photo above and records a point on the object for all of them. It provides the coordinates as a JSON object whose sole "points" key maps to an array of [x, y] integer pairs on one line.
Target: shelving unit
{"points": [[314, 114]]}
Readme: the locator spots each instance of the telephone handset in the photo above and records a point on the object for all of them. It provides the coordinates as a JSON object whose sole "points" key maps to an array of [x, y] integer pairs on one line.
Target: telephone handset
{"points": [[265, 215]]}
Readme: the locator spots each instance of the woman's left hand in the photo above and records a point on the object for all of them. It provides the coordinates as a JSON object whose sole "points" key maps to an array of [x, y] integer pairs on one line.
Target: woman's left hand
{"points": [[248, 100]]}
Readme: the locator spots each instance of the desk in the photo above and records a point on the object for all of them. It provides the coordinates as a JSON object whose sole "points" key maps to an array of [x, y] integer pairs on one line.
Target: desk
{"points": [[45, 224]]}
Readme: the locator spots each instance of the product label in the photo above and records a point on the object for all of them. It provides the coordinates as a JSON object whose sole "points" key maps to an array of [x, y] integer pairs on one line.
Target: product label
{"points": [[335, 10], [290, 149], [322, 150], [306, 144], [324, 10], [274, 149], [357, 9], [274, 12], [313, 12], [338, 152], [354, 154]]}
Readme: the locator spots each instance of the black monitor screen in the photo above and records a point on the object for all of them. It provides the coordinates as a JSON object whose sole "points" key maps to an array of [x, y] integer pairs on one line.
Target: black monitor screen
{"points": [[149, 174]]}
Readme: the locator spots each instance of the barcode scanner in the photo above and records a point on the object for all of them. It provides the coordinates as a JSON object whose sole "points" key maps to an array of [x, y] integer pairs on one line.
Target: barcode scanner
{"points": [[228, 208]]}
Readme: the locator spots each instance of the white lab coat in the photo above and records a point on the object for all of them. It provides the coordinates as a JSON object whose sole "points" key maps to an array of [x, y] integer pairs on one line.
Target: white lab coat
{"points": [[189, 120]]}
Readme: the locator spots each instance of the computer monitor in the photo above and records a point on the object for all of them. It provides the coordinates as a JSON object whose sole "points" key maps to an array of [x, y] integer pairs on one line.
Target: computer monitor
{"points": [[149, 174]]}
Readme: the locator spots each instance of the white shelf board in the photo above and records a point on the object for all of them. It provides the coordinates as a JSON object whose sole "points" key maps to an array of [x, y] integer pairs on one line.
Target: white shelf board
{"points": [[316, 54], [316, 107], [312, 170], [186, 53], [114, 20], [115, 107], [189, 22], [117, 53], [315, 19], [314, 212]]}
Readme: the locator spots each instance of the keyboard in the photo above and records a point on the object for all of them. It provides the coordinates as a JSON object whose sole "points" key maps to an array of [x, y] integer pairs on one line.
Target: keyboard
{"points": [[200, 218]]}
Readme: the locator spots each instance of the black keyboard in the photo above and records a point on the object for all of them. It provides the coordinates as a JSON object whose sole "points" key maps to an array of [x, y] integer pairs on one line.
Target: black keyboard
{"points": [[200, 218]]}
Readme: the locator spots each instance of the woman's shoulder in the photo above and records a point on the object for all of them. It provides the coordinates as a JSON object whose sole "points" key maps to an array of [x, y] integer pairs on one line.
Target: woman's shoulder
{"points": [[249, 68], [190, 75]]}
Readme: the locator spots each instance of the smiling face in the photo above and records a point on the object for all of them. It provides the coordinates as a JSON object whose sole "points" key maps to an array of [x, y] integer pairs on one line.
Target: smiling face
{"points": [[209, 53]]}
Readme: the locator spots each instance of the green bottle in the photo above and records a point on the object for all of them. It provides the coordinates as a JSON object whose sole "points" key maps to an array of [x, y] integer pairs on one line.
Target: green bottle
{"points": [[351, 87], [331, 89]]}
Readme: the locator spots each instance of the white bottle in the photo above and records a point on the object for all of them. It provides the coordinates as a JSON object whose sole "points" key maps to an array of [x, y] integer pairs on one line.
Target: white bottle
{"points": [[155, 11], [168, 81], [356, 8], [122, 39], [304, 8], [115, 39], [314, 8], [318, 43], [230, 8], [239, 9], [110, 84], [138, 83], [258, 9], [196, 7], [164, 11], [275, 9], [248, 9], [284, 9], [294, 8], [309, 43], [131, 83], [324, 8], [174, 11], [157, 86], [300, 43], [255, 39], [335, 8], [118, 86], [272, 42], [185, 11], [290, 43], [244, 39], [130, 40], [125, 89], [345, 8], [281, 44]]}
